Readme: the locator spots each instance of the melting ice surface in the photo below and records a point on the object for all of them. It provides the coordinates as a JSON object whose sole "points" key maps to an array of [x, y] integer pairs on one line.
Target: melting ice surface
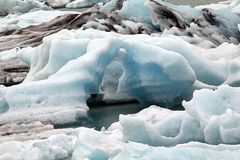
{"points": [[165, 70]]}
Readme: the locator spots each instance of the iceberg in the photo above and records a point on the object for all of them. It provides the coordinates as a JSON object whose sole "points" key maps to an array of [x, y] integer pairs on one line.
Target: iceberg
{"points": [[57, 3], [210, 117], [149, 70], [74, 73], [12, 21], [218, 113], [19, 6], [55, 147], [96, 145], [84, 3], [139, 151]]}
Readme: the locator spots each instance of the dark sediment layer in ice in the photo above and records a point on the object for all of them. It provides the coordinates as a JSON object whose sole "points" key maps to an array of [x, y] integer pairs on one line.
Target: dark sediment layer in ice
{"points": [[205, 23], [12, 72]]}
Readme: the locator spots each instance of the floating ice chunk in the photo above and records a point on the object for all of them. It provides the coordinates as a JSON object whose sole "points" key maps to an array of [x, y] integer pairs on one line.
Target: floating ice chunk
{"points": [[55, 147], [204, 23], [139, 151], [90, 144], [217, 112], [84, 3], [21, 21], [19, 6], [160, 127], [211, 116], [96, 145], [93, 144], [58, 3], [69, 79]]}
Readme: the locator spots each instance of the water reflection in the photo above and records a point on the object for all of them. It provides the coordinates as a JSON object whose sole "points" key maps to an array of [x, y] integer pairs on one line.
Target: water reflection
{"points": [[103, 116], [106, 115]]}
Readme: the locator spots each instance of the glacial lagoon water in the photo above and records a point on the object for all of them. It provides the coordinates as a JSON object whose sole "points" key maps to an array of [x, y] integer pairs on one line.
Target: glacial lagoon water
{"points": [[103, 115], [106, 115], [178, 2], [193, 2]]}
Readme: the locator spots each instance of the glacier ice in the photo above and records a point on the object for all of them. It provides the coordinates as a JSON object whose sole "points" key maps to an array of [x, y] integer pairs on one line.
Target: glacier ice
{"points": [[58, 3], [218, 114], [21, 21], [84, 3], [207, 24], [210, 117], [73, 3], [96, 145], [139, 151], [153, 72], [183, 60], [163, 15], [90, 144], [55, 147], [19, 6]]}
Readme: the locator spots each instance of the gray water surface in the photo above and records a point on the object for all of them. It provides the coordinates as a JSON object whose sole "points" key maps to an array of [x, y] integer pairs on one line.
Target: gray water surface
{"points": [[103, 116], [193, 2]]}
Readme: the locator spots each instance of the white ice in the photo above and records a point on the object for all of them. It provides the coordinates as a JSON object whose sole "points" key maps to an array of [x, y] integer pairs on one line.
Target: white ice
{"points": [[94, 145], [211, 117], [84, 3], [56, 147], [13, 21], [164, 69], [19, 6]]}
